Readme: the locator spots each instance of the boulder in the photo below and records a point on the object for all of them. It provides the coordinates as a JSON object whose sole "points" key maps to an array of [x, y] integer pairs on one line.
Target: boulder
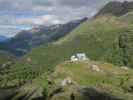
{"points": [[66, 81], [95, 68], [29, 60], [124, 68]]}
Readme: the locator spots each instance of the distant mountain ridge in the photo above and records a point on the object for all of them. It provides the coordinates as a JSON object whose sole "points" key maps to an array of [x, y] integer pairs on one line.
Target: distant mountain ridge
{"points": [[27, 39], [116, 8], [3, 38]]}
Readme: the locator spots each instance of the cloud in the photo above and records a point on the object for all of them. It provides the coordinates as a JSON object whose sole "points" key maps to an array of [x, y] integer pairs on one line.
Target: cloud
{"points": [[40, 20], [79, 3], [11, 30], [27, 13]]}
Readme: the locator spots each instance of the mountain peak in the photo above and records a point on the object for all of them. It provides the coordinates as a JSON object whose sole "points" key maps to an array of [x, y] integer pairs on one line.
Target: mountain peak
{"points": [[116, 8]]}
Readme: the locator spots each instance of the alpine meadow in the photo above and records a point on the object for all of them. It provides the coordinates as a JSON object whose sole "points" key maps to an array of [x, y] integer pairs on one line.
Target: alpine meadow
{"points": [[83, 58]]}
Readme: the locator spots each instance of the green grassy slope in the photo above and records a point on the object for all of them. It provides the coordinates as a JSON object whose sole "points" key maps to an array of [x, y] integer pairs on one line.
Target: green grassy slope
{"points": [[5, 57], [110, 79], [127, 17], [100, 39]]}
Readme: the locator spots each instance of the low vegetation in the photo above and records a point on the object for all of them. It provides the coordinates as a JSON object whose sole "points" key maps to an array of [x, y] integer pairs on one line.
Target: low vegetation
{"points": [[105, 39], [109, 79]]}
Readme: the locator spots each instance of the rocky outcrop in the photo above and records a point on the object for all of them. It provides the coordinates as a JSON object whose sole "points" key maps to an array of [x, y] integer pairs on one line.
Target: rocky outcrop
{"points": [[93, 94], [86, 93]]}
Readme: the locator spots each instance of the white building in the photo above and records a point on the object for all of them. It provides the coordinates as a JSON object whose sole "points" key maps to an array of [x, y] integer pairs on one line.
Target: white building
{"points": [[79, 57]]}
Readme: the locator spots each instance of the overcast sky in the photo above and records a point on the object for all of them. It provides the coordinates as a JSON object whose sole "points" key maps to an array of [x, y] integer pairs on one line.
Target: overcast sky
{"points": [[16, 15]]}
